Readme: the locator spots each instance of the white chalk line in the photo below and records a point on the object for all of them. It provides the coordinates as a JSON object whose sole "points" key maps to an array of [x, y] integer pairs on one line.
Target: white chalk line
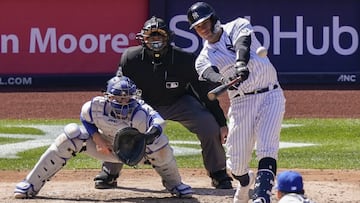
{"points": [[52, 131]]}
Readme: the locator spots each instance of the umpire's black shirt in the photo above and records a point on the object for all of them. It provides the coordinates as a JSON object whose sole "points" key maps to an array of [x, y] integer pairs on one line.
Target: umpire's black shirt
{"points": [[162, 84]]}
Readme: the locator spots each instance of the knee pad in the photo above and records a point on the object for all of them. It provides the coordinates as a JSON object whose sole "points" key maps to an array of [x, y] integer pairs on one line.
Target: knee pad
{"points": [[70, 142]]}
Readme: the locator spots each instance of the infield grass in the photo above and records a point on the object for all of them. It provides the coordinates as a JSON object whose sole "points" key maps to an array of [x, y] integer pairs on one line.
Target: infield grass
{"points": [[336, 145]]}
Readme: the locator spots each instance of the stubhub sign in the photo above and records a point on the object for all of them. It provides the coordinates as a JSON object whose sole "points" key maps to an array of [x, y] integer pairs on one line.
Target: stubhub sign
{"points": [[304, 37], [304, 45]]}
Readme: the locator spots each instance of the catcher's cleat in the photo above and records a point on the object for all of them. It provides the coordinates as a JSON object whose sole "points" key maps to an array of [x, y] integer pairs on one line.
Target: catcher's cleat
{"points": [[221, 180], [243, 193], [182, 191], [19, 195], [105, 181], [24, 190]]}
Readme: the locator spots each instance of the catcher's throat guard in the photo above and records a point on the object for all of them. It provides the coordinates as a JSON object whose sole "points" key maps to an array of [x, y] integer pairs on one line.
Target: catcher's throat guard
{"points": [[130, 145]]}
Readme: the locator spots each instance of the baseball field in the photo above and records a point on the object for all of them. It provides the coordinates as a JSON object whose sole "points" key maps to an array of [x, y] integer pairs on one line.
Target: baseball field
{"points": [[327, 153]]}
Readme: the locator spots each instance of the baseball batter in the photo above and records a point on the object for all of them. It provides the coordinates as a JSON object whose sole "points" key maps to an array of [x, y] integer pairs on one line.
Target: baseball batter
{"points": [[257, 103], [102, 118]]}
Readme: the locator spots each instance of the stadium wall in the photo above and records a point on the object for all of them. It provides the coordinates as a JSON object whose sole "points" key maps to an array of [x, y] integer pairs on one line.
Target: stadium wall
{"points": [[79, 43]]}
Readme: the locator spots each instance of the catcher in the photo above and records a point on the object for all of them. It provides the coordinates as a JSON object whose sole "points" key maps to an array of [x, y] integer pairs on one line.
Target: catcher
{"points": [[118, 127]]}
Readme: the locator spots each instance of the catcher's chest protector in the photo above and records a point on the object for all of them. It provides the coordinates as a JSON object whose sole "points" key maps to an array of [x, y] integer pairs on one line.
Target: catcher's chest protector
{"points": [[109, 126]]}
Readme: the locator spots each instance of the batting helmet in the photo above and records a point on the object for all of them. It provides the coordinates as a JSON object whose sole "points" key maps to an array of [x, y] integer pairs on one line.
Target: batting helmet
{"points": [[199, 12], [122, 94]]}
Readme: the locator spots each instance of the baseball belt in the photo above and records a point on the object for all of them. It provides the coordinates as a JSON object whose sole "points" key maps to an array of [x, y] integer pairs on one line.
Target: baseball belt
{"points": [[258, 91]]}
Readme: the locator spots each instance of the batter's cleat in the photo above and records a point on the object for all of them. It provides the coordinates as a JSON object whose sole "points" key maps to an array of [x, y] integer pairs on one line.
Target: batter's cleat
{"points": [[221, 180], [24, 190], [243, 193], [182, 191], [105, 181], [261, 200]]}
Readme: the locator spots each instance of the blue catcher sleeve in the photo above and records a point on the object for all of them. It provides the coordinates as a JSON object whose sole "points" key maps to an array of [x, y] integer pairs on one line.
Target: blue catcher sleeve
{"points": [[90, 127]]}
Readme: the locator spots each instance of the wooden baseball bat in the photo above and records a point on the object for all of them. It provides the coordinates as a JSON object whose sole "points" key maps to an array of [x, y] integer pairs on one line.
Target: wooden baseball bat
{"points": [[213, 94]]}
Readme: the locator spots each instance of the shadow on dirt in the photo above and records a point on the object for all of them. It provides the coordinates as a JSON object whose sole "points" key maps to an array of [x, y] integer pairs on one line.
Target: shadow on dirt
{"points": [[145, 195]]}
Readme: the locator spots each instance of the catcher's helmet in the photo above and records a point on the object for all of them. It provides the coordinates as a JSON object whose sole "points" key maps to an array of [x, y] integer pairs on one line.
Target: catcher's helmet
{"points": [[155, 35], [199, 12], [122, 94]]}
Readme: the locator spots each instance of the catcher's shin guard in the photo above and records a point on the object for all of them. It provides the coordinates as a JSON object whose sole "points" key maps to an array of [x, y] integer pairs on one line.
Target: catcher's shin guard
{"points": [[164, 164], [263, 186], [53, 159], [48, 165]]}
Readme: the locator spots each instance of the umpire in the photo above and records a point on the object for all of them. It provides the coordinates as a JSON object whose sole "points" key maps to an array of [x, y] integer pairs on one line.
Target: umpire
{"points": [[169, 82]]}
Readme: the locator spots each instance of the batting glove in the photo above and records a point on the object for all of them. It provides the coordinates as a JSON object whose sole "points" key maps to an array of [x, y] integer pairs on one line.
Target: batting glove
{"points": [[241, 71]]}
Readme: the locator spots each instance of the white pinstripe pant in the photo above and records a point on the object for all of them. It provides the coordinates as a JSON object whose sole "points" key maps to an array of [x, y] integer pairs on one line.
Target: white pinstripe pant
{"points": [[254, 119]]}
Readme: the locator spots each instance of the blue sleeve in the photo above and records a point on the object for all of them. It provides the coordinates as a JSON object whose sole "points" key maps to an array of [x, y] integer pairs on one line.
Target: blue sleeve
{"points": [[90, 127]]}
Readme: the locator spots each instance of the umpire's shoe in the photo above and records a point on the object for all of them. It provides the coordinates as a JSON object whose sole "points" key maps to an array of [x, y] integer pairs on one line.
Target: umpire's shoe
{"points": [[221, 180], [105, 181]]}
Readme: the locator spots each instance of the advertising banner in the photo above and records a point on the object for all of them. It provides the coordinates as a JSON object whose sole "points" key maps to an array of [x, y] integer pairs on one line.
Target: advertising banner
{"points": [[69, 43], [308, 41], [42, 39]]}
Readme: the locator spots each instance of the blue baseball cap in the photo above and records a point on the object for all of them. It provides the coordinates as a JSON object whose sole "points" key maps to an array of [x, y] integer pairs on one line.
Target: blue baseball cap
{"points": [[290, 182]]}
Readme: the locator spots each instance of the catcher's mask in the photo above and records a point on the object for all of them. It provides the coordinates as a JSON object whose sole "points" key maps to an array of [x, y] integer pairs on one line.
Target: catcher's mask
{"points": [[201, 11], [155, 37], [129, 146], [122, 95]]}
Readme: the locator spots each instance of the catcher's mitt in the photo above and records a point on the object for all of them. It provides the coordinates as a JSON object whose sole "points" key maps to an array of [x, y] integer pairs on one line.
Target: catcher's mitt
{"points": [[129, 145]]}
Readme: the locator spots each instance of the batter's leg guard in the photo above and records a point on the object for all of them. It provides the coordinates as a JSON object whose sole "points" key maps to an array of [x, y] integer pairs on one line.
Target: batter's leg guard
{"points": [[66, 145], [106, 179], [221, 180], [263, 186]]}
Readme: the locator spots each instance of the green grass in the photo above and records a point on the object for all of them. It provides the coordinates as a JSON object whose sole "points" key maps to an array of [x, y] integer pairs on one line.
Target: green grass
{"points": [[7, 140], [18, 130], [337, 145]]}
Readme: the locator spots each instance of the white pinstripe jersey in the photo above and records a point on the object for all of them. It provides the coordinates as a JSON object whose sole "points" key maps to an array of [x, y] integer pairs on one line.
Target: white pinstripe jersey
{"points": [[222, 55]]}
